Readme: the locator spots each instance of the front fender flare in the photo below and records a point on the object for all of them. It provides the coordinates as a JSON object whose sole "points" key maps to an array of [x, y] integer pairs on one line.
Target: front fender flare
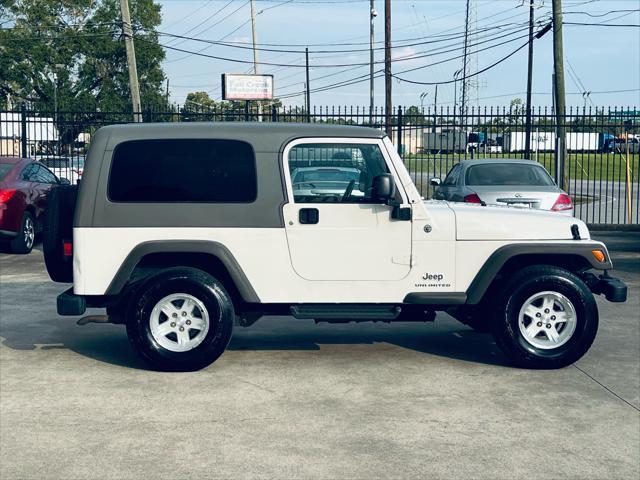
{"points": [[502, 255]]}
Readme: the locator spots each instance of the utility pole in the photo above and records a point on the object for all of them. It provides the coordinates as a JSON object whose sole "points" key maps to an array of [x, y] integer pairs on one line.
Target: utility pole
{"points": [[388, 106], [308, 96], [254, 36], [372, 14], [131, 60], [558, 69], [527, 139], [465, 73]]}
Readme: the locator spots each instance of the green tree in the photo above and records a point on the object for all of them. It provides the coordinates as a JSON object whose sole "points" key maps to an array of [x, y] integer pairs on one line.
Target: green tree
{"points": [[69, 56]]}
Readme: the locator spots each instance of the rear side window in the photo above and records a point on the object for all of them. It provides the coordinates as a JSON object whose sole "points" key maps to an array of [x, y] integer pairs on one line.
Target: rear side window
{"points": [[5, 168], [183, 170]]}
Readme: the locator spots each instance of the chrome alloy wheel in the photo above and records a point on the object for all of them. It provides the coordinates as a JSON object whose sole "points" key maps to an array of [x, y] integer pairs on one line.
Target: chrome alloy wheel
{"points": [[179, 322], [547, 320], [29, 232]]}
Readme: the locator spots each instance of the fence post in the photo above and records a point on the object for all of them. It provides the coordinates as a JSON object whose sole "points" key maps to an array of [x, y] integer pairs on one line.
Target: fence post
{"points": [[23, 133], [274, 113], [399, 131], [246, 110]]}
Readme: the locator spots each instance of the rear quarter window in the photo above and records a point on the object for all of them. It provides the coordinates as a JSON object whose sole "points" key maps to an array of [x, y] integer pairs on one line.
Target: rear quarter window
{"points": [[183, 170]]}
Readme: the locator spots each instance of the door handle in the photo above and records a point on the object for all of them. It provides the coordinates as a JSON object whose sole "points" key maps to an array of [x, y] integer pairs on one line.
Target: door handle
{"points": [[308, 216]]}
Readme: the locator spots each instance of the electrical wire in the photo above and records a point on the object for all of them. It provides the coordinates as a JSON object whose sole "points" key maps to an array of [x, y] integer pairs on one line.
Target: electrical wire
{"points": [[337, 65]]}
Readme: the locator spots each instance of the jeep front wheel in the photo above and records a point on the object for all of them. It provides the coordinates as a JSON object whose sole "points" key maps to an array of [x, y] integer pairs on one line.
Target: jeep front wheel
{"points": [[180, 320], [548, 318]]}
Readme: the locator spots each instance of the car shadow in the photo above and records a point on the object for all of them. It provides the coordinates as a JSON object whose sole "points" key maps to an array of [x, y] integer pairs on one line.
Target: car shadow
{"points": [[108, 343]]}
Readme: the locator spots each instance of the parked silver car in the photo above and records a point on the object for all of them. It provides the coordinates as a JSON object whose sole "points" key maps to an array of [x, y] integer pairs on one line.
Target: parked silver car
{"points": [[513, 182]]}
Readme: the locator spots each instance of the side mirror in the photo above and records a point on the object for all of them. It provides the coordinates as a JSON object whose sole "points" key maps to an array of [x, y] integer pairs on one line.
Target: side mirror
{"points": [[64, 181], [383, 187], [435, 182]]}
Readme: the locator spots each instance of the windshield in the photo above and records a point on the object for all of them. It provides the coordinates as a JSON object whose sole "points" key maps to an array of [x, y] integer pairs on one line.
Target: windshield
{"points": [[326, 176], [508, 174]]}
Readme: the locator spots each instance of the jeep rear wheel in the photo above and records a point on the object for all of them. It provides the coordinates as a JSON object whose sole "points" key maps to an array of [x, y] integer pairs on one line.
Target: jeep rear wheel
{"points": [[548, 318], [180, 320]]}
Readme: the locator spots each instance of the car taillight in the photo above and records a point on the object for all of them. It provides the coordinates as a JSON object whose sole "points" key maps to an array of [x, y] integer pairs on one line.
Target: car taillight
{"points": [[472, 198], [5, 195], [562, 203], [67, 248]]}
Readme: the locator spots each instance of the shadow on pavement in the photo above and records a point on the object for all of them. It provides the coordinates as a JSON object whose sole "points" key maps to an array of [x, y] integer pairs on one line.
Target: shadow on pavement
{"points": [[108, 343]]}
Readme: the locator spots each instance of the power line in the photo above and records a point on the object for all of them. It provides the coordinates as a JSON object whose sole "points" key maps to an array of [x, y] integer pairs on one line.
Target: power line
{"points": [[467, 76], [189, 15], [337, 65], [210, 17], [362, 78], [245, 46]]}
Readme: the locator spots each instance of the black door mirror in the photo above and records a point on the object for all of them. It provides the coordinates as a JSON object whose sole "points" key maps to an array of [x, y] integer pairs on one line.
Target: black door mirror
{"points": [[435, 182], [383, 187]]}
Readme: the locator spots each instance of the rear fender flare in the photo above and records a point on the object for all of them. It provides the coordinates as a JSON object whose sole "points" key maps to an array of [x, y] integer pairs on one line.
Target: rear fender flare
{"points": [[184, 246]]}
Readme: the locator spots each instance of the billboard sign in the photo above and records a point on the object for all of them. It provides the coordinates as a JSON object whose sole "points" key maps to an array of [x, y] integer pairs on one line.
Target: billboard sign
{"points": [[237, 86]]}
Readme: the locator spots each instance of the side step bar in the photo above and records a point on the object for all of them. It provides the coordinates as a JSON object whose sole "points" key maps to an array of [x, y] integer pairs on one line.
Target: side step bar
{"points": [[346, 312]]}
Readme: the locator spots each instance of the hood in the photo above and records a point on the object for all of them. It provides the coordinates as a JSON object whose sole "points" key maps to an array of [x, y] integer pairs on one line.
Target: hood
{"points": [[475, 222]]}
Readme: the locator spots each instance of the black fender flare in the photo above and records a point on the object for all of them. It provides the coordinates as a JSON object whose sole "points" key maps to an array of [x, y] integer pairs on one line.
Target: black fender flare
{"points": [[484, 278], [216, 249]]}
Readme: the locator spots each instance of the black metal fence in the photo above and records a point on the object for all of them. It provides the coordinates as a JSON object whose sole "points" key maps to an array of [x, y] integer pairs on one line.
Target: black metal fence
{"points": [[600, 171]]}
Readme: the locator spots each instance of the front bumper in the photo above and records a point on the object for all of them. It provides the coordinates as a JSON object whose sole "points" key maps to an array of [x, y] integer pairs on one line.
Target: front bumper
{"points": [[614, 289]]}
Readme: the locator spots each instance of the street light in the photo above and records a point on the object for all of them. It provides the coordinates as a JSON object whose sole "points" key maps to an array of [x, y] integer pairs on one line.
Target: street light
{"points": [[423, 95], [585, 96], [456, 74]]}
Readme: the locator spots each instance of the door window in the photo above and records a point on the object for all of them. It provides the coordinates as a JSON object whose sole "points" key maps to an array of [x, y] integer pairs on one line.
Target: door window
{"points": [[335, 172]]}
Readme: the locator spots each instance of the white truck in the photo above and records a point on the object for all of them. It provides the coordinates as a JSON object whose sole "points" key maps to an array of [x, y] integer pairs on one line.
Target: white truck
{"points": [[182, 230]]}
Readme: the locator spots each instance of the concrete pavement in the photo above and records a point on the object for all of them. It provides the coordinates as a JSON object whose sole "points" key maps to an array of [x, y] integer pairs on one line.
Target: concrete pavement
{"points": [[291, 399]]}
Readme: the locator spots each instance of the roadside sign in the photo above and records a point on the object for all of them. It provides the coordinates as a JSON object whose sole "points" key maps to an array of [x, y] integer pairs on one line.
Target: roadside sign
{"points": [[247, 87]]}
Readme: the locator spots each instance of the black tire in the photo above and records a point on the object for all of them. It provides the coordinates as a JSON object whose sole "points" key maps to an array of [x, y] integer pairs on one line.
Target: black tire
{"points": [[197, 284], [58, 227], [524, 285], [23, 243]]}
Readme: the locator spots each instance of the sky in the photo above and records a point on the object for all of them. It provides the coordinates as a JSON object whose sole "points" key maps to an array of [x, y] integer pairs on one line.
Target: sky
{"points": [[427, 36]]}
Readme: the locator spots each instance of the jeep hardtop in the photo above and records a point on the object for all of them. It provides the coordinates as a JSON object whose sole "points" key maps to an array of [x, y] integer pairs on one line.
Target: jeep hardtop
{"points": [[182, 231]]}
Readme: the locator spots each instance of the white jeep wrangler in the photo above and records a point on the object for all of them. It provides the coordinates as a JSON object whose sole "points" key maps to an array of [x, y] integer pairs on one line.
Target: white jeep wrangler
{"points": [[182, 230]]}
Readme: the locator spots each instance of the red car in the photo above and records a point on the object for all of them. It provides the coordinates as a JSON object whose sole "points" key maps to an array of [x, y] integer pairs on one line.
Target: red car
{"points": [[24, 186]]}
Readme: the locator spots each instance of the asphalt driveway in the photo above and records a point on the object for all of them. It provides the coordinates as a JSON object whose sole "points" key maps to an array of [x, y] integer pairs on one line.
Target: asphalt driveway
{"points": [[291, 399]]}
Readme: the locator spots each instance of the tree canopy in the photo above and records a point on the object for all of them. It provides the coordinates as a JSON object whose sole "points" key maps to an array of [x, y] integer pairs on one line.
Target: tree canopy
{"points": [[69, 55]]}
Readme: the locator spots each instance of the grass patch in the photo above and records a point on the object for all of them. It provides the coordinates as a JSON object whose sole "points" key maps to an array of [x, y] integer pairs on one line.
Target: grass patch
{"points": [[579, 166]]}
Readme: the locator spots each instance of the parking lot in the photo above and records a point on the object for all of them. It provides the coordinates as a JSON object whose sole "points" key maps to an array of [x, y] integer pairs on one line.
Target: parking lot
{"points": [[291, 399]]}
